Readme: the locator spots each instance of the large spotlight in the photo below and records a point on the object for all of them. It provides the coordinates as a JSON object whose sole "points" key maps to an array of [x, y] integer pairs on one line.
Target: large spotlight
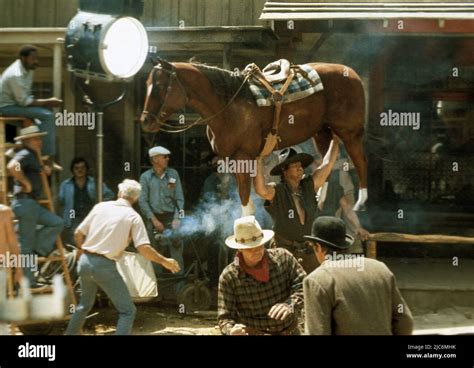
{"points": [[103, 46]]}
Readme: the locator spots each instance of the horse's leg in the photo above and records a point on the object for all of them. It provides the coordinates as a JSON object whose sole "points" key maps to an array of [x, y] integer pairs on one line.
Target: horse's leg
{"points": [[355, 149], [323, 139], [244, 183]]}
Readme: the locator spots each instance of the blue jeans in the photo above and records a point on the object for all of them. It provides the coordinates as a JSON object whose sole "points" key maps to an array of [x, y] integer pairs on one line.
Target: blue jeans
{"points": [[30, 213], [97, 271], [48, 123]]}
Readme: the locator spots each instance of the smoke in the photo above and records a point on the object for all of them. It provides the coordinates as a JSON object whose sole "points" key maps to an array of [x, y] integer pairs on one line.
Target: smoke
{"points": [[211, 216]]}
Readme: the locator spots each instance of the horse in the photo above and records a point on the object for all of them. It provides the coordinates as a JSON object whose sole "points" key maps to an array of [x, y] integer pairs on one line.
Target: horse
{"points": [[237, 127]]}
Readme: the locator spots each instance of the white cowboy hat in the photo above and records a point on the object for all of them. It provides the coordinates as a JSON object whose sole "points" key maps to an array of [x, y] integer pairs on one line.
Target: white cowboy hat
{"points": [[29, 132], [248, 234], [158, 150]]}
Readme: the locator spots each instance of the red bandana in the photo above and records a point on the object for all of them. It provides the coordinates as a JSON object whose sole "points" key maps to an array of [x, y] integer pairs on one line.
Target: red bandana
{"points": [[260, 273]]}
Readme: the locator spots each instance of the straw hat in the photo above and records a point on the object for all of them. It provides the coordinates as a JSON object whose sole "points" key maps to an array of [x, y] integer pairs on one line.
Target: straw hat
{"points": [[30, 132], [248, 234]]}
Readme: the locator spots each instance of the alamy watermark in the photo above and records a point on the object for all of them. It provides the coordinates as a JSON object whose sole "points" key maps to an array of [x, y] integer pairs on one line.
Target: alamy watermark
{"points": [[345, 260], [75, 119], [394, 118], [230, 166], [9, 260]]}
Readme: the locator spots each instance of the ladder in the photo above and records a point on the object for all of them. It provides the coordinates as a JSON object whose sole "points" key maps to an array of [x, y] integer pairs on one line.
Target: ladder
{"points": [[47, 202]]}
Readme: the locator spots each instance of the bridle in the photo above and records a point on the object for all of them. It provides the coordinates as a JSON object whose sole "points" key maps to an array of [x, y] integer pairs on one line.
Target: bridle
{"points": [[162, 113]]}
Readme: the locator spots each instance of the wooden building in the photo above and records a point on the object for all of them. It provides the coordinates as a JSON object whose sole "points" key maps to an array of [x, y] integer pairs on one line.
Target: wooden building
{"points": [[413, 58]]}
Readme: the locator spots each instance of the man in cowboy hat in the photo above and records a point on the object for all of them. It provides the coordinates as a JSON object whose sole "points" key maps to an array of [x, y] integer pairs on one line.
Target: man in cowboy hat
{"points": [[261, 291], [350, 294], [292, 203], [26, 169]]}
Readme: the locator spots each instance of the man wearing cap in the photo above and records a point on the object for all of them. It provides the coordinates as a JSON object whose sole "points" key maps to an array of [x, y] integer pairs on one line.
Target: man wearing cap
{"points": [[292, 203], [260, 293], [350, 294], [162, 200], [16, 96], [26, 169]]}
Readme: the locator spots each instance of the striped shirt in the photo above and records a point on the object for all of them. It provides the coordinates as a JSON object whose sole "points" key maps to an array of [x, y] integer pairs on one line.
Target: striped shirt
{"points": [[244, 300]]}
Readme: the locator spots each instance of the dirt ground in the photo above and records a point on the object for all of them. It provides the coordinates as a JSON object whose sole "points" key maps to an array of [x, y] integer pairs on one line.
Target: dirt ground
{"points": [[156, 320], [151, 319]]}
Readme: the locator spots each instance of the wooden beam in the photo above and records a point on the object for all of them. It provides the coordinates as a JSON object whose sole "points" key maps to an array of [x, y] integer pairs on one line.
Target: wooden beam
{"points": [[371, 249], [252, 35], [429, 239], [37, 36]]}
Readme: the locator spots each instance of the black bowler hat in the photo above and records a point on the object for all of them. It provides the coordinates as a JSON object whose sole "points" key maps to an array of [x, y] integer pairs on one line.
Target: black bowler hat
{"points": [[330, 231], [288, 156]]}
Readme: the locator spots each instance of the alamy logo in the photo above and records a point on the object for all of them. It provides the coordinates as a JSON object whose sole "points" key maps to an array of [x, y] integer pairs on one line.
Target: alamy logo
{"points": [[37, 351], [393, 118], [75, 119], [229, 166], [345, 261]]}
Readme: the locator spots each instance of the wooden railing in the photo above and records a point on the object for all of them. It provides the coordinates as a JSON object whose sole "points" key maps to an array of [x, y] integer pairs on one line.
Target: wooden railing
{"points": [[410, 238]]}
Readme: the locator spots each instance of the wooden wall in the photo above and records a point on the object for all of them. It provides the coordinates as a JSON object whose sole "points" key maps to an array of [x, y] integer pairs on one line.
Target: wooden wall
{"points": [[162, 13]]}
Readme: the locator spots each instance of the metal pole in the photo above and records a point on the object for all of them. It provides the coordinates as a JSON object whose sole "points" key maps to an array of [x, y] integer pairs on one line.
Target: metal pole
{"points": [[100, 154]]}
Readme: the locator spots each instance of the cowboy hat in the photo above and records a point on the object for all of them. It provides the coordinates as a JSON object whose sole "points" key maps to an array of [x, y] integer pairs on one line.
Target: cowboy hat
{"points": [[29, 132], [288, 156], [330, 231], [248, 234]]}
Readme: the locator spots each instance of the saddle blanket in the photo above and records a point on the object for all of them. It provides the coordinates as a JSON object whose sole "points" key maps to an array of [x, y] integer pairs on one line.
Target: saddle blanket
{"points": [[299, 88]]}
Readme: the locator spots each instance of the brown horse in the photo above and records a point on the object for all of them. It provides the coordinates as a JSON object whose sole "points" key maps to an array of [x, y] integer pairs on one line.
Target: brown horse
{"points": [[237, 127]]}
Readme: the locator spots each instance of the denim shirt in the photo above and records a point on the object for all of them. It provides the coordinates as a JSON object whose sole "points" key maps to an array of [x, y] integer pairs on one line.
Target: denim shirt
{"points": [[159, 194], [66, 196]]}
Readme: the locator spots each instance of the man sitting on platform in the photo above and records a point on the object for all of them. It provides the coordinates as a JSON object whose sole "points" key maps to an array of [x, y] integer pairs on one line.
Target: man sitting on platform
{"points": [[16, 97]]}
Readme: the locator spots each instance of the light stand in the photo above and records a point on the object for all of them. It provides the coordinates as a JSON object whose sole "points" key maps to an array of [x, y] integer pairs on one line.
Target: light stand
{"points": [[98, 109]]}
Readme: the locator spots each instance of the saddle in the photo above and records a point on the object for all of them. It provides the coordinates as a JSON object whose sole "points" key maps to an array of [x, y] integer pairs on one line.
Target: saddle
{"points": [[278, 72]]}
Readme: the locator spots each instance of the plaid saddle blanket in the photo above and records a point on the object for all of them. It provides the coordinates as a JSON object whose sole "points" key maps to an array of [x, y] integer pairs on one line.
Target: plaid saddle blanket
{"points": [[299, 88]]}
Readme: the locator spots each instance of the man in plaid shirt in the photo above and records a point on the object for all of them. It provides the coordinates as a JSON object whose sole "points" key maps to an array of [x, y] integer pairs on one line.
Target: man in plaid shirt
{"points": [[261, 292]]}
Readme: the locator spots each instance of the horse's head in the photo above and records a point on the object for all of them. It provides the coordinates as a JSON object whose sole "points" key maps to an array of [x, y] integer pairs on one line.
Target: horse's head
{"points": [[164, 96]]}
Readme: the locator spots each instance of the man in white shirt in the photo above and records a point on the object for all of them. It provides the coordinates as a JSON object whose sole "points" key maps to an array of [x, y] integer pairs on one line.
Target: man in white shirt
{"points": [[16, 97], [102, 238]]}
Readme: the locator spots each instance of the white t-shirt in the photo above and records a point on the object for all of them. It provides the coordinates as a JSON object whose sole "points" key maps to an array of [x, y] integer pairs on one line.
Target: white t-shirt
{"points": [[110, 226]]}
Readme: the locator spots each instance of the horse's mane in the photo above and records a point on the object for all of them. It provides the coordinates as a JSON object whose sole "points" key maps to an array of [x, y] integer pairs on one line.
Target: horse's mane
{"points": [[225, 82]]}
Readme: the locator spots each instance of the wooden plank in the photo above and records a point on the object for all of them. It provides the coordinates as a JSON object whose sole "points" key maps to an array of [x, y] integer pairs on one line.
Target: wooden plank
{"points": [[148, 13], [162, 14], [257, 10], [38, 36], [200, 12], [6, 9], [174, 14], [371, 249], [225, 10], [187, 13], [213, 12], [240, 12], [65, 10], [23, 14], [45, 12], [430, 239]]}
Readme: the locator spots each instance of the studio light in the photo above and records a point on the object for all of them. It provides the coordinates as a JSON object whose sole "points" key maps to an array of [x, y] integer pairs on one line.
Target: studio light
{"points": [[106, 47]]}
